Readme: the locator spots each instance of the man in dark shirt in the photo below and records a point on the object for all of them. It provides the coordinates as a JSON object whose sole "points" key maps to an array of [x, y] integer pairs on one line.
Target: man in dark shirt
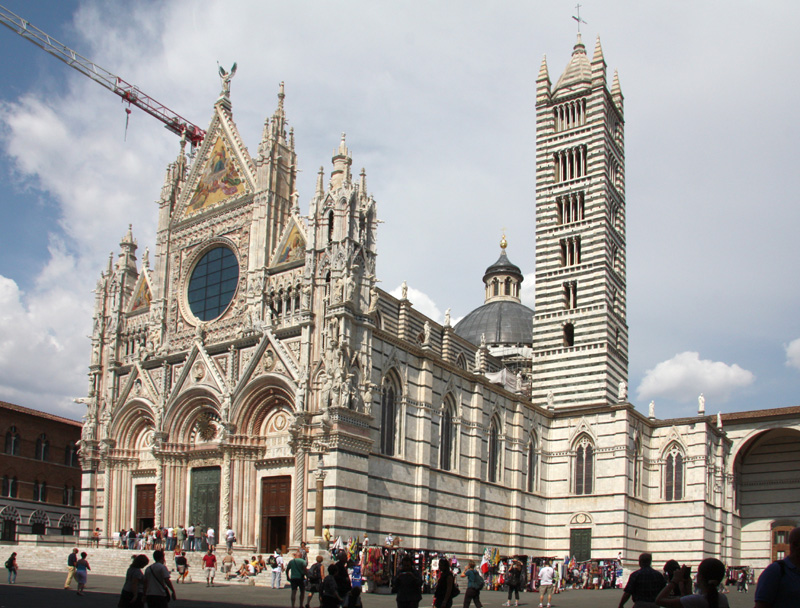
{"points": [[644, 584], [72, 561]]}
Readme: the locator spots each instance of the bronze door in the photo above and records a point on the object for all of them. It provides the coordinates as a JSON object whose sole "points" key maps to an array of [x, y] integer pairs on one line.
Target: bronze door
{"points": [[580, 544], [145, 507], [275, 509], [204, 502]]}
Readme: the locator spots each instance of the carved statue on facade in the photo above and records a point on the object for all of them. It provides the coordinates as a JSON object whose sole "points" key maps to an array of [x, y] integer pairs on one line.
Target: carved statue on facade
{"points": [[447, 318], [404, 291], [226, 77], [426, 332], [652, 410], [701, 404], [622, 392]]}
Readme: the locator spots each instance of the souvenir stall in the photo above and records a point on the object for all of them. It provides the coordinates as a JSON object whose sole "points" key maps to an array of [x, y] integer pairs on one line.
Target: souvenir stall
{"points": [[535, 564], [379, 565], [597, 573]]}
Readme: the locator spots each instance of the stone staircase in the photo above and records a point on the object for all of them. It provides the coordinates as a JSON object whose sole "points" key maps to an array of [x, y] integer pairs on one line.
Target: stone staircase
{"points": [[114, 561]]}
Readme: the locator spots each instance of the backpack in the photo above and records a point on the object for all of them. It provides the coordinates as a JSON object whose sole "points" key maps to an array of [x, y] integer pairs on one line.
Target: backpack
{"points": [[479, 579], [272, 561], [456, 590], [315, 574], [8, 564]]}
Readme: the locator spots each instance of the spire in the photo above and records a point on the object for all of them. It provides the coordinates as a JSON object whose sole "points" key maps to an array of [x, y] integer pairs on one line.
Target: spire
{"points": [[363, 182], [127, 255], [341, 165], [543, 82], [598, 65], [616, 92], [578, 73], [320, 182]]}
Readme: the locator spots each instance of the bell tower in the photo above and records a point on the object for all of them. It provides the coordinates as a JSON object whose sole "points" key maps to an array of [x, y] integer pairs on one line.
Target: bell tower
{"points": [[580, 353]]}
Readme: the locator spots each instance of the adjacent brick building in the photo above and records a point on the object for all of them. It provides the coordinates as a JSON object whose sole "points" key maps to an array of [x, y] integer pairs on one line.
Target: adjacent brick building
{"points": [[41, 476]]}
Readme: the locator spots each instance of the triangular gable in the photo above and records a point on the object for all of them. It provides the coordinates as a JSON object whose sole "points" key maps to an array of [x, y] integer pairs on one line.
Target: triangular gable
{"points": [[199, 371], [292, 247], [222, 173], [141, 294]]}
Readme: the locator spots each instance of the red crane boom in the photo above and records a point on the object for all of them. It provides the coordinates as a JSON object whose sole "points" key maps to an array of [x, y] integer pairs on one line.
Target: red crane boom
{"points": [[130, 93]]}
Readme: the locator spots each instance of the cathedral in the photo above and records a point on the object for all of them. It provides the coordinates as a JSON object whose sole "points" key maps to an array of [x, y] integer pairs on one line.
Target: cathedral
{"points": [[252, 374]]}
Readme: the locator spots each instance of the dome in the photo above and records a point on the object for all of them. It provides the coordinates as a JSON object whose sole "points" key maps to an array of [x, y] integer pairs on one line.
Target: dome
{"points": [[502, 322], [503, 266]]}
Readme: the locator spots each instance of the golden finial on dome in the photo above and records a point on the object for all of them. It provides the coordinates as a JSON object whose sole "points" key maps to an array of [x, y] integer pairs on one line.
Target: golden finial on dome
{"points": [[503, 241]]}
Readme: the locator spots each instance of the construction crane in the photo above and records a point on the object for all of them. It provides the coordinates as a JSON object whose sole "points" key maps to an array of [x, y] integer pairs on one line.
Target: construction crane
{"points": [[128, 92]]}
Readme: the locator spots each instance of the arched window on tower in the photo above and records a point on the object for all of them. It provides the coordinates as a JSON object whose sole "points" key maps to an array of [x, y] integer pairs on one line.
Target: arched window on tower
{"points": [[637, 467], [569, 334], [584, 466], [330, 227], [493, 465], [12, 442], [673, 473], [71, 455], [388, 417]]}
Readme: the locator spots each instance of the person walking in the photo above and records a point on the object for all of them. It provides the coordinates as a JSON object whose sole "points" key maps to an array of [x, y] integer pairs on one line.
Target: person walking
{"points": [[296, 573], [210, 566], [446, 588], [157, 586], [11, 566], [276, 562], [82, 568], [408, 585], [72, 559], [546, 574], [329, 592], [779, 584], [132, 594], [315, 581], [182, 566], [230, 538], [228, 565], [644, 585], [343, 584], [474, 586], [514, 582], [190, 538], [211, 538], [710, 573]]}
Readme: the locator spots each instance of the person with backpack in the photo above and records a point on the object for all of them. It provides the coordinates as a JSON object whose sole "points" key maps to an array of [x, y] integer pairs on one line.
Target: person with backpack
{"points": [[474, 585], [296, 573], [446, 588], [157, 586], [315, 581], [329, 592], [514, 582], [275, 561], [407, 585], [11, 566], [779, 584]]}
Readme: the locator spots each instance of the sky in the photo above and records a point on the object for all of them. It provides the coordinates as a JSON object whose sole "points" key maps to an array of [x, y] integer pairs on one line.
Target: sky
{"points": [[437, 103]]}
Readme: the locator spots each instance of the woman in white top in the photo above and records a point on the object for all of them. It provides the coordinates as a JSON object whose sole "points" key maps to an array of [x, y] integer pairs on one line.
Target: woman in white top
{"points": [[709, 575]]}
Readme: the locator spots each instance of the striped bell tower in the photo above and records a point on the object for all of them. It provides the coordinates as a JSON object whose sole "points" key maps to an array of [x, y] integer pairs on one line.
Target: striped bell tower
{"points": [[580, 335]]}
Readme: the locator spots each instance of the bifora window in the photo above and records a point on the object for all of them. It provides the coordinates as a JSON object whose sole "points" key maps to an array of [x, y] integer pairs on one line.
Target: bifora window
{"points": [[213, 283]]}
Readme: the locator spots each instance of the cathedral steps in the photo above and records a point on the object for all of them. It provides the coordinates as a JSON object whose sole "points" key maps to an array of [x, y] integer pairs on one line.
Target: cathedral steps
{"points": [[115, 562]]}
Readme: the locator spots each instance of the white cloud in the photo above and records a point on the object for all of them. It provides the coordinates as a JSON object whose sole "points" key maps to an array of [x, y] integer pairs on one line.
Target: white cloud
{"points": [[421, 302], [685, 376], [793, 354]]}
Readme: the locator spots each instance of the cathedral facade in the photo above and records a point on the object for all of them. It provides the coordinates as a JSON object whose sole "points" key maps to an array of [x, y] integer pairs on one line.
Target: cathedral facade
{"points": [[253, 375]]}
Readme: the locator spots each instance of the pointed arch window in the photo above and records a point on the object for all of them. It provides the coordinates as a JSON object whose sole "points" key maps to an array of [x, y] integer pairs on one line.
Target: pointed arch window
{"points": [[68, 497], [637, 467], [71, 455], [330, 227], [12, 442], [42, 448], [494, 452], [584, 467], [39, 491], [673, 474], [447, 442], [388, 418], [531, 477]]}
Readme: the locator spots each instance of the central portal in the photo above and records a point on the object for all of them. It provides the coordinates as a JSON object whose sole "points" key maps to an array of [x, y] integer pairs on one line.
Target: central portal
{"points": [[204, 505], [275, 509]]}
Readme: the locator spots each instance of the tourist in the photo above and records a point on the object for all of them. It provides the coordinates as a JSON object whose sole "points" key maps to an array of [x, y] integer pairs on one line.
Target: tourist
{"points": [[276, 563], [11, 566], [355, 598], [644, 584], [182, 566], [326, 535], [474, 585], [408, 585], [180, 537], [514, 582], [211, 538], [296, 573], [303, 551], [343, 584], [445, 587], [315, 581], [329, 592], [82, 572], [132, 595], [157, 586], [710, 574], [170, 539], [190, 537], [210, 566], [741, 583], [131, 539], [546, 574], [72, 559], [261, 565], [230, 538], [779, 584], [228, 565], [96, 537]]}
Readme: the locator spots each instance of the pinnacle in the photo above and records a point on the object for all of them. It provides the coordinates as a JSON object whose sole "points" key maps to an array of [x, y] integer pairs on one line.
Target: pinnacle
{"points": [[598, 51]]}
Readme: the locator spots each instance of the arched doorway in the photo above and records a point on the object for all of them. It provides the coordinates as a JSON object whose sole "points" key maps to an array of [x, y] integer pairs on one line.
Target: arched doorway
{"points": [[767, 494]]}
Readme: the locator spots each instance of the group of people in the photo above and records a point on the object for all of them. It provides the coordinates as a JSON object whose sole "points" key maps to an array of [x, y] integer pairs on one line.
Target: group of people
{"points": [[190, 538], [778, 586]]}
